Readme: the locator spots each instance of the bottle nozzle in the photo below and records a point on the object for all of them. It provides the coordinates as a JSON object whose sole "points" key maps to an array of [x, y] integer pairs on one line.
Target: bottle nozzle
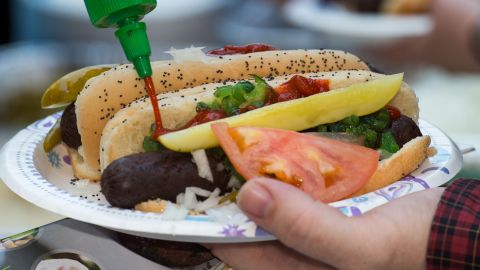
{"points": [[143, 67], [134, 40]]}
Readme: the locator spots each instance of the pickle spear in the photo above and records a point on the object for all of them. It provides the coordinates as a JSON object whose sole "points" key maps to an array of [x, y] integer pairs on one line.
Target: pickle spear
{"points": [[53, 137], [300, 114], [65, 90]]}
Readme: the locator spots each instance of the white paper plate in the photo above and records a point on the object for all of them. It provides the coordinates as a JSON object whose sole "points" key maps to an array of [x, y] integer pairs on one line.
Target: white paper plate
{"points": [[359, 28], [46, 180]]}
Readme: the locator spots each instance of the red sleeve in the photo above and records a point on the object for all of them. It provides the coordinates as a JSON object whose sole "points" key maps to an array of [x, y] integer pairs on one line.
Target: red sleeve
{"points": [[455, 233]]}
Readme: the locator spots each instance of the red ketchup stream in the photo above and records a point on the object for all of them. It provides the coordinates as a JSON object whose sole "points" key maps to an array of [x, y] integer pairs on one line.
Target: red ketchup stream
{"points": [[159, 130]]}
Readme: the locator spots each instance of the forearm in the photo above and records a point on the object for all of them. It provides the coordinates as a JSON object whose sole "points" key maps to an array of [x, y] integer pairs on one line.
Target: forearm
{"points": [[454, 241]]}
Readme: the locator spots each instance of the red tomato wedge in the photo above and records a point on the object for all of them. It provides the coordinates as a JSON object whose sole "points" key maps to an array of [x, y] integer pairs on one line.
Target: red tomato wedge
{"points": [[326, 169]]}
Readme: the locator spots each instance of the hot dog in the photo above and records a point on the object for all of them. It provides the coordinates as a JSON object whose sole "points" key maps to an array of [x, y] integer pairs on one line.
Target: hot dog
{"points": [[112, 127], [104, 95]]}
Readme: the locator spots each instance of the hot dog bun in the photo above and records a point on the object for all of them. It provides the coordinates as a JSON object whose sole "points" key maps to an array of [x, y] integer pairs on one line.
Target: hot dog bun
{"points": [[129, 126], [410, 156], [115, 89]]}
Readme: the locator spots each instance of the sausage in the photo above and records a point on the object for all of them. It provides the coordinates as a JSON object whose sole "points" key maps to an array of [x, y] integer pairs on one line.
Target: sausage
{"points": [[147, 176], [404, 129], [68, 127]]}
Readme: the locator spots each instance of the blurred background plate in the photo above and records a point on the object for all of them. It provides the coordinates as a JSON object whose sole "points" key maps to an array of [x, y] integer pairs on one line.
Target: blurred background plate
{"points": [[172, 22], [364, 29]]}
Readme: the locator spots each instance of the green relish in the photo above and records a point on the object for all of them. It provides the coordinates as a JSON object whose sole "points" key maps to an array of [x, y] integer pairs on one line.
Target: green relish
{"points": [[233, 98], [373, 128]]}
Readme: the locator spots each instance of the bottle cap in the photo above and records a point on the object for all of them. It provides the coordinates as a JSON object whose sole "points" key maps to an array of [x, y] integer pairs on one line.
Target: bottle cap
{"points": [[111, 13], [132, 34]]}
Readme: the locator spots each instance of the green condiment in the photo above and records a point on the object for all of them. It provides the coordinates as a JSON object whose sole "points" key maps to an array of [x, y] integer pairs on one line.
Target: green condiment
{"points": [[372, 127], [230, 197], [149, 144], [388, 142], [232, 98]]}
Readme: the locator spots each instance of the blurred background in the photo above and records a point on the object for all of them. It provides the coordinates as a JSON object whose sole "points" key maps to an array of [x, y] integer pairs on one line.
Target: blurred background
{"points": [[428, 40]]}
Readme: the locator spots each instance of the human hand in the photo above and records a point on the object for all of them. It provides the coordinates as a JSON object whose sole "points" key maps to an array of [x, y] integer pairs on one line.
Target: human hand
{"points": [[313, 235]]}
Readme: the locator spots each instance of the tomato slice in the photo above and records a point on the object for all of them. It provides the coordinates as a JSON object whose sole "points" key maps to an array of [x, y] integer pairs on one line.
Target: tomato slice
{"points": [[326, 169]]}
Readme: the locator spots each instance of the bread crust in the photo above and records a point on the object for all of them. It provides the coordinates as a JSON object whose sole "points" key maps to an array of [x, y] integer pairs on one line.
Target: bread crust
{"points": [[406, 160], [115, 89]]}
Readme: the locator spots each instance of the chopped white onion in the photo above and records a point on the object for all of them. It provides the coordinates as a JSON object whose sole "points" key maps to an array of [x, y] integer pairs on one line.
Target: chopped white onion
{"points": [[226, 214], [188, 199], [199, 191], [180, 198], [234, 182], [201, 160], [210, 202], [174, 212], [188, 54]]}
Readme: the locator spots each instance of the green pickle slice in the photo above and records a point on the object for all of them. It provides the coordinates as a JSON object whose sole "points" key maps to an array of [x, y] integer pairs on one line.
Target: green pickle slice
{"points": [[300, 114], [65, 90], [53, 137]]}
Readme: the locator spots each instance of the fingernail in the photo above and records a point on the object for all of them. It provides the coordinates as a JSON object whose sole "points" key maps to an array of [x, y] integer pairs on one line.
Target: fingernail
{"points": [[254, 199]]}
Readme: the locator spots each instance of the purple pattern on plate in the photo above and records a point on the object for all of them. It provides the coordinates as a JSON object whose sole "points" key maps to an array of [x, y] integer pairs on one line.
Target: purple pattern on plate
{"points": [[54, 159], [350, 211], [395, 190], [67, 160], [442, 169], [261, 232], [416, 180], [233, 231], [360, 199], [441, 156], [45, 124], [48, 124]]}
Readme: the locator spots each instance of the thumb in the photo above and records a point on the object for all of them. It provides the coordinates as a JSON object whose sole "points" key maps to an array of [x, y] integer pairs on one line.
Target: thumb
{"points": [[310, 227]]}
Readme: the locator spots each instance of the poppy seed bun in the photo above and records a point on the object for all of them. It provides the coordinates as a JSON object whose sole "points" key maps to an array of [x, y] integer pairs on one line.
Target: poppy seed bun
{"points": [[130, 125], [115, 89]]}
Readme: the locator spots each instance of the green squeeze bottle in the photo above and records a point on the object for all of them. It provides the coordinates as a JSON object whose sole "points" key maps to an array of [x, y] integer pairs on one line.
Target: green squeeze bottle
{"points": [[125, 15]]}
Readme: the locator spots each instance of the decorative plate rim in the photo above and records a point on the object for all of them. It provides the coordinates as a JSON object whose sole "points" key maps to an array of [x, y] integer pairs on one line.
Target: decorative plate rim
{"points": [[18, 169]]}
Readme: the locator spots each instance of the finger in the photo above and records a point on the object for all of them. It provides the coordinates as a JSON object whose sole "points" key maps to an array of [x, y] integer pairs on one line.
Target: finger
{"points": [[312, 228], [264, 255]]}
